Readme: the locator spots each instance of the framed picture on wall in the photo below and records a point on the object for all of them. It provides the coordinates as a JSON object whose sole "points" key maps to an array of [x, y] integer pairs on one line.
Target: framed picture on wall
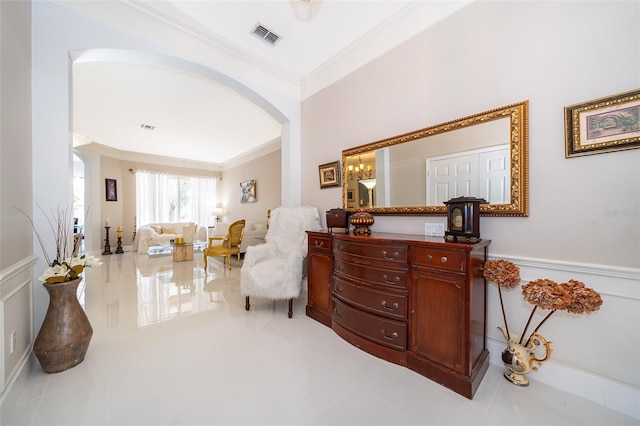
{"points": [[603, 125], [248, 191], [111, 190], [329, 174]]}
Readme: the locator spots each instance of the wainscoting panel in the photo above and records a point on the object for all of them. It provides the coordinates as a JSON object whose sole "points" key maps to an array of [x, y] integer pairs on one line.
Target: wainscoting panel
{"points": [[16, 317], [595, 356]]}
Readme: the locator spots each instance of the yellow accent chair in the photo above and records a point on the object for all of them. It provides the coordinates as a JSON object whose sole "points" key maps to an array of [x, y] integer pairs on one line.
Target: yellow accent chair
{"points": [[230, 244]]}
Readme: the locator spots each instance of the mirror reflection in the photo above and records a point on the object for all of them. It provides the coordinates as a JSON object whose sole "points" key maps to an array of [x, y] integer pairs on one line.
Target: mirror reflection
{"points": [[484, 156]]}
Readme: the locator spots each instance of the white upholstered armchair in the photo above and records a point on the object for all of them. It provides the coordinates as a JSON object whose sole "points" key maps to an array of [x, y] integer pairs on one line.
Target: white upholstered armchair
{"points": [[274, 270]]}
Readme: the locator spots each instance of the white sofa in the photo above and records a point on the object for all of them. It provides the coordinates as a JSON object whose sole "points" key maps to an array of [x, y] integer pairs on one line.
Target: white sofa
{"points": [[160, 234], [254, 233]]}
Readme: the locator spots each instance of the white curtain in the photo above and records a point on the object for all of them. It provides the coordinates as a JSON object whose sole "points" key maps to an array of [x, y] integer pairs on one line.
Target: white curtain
{"points": [[203, 200], [153, 201]]}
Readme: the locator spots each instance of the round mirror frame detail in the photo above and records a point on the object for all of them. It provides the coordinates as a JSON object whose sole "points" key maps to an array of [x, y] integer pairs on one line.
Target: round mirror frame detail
{"points": [[518, 114]]}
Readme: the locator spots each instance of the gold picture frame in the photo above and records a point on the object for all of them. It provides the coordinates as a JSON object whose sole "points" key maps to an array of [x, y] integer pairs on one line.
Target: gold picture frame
{"points": [[603, 125], [516, 119], [329, 174]]}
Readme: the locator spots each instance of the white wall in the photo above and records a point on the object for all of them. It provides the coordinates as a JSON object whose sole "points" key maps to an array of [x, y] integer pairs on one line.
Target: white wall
{"points": [[16, 235], [15, 133], [492, 54], [266, 170]]}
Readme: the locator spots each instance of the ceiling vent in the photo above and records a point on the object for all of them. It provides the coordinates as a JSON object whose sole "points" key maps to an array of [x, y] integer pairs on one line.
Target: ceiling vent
{"points": [[147, 127], [265, 34]]}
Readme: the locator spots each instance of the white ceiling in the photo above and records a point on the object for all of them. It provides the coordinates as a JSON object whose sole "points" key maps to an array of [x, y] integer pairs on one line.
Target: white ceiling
{"points": [[200, 120]]}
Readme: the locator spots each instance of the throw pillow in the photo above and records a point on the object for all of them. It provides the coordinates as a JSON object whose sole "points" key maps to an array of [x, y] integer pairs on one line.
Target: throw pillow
{"points": [[168, 230], [156, 228]]}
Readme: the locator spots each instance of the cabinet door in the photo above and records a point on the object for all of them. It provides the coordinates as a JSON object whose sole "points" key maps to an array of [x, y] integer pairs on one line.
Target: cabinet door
{"points": [[438, 319], [320, 267]]}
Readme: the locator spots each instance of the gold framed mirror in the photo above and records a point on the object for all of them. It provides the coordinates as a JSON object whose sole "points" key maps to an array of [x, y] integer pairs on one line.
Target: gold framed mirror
{"points": [[484, 155]]}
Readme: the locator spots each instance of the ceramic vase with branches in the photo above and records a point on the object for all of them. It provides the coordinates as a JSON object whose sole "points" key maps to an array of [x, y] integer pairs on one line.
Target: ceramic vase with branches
{"points": [[65, 333]]}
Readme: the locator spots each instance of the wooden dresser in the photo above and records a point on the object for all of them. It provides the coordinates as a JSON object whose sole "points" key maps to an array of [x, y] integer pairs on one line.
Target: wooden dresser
{"points": [[413, 300]]}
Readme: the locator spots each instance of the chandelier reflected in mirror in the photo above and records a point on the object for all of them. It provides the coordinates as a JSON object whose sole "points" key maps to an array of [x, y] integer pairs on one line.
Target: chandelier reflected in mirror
{"points": [[360, 171]]}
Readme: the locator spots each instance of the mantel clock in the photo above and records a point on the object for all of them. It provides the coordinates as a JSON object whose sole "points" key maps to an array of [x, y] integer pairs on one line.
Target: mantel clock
{"points": [[463, 218]]}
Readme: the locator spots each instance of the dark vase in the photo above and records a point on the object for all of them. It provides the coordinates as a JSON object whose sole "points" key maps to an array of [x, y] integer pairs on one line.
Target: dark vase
{"points": [[64, 336]]}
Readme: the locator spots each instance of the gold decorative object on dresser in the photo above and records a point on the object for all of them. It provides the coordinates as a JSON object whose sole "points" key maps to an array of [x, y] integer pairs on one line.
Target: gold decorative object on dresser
{"points": [[412, 300]]}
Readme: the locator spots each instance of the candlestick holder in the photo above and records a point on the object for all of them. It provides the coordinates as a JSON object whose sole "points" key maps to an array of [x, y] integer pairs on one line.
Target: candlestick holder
{"points": [[107, 247], [119, 247]]}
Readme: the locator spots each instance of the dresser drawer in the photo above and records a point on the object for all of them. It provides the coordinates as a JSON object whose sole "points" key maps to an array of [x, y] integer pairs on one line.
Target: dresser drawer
{"points": [[390, 304], [394, 277], [439, 258], [320, 242], [384, 331], [371, 252]]}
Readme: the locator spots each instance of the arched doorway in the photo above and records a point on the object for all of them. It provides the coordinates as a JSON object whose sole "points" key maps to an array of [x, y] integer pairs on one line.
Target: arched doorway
{"points": [[289, 119]]}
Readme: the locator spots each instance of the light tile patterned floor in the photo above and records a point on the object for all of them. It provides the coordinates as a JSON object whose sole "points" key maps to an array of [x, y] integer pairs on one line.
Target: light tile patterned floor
{"points": [[173, 345]]}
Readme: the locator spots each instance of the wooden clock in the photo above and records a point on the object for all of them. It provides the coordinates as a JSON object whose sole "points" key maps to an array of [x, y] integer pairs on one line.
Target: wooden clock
{"points": [[463, 218]]}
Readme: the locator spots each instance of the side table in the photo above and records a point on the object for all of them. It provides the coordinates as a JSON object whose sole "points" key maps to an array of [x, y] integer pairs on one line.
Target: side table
{"points": [[182, 252]]}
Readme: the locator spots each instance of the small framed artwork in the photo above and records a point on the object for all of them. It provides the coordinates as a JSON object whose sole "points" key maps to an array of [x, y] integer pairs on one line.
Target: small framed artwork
{"points": [[248, 191], [111, 190], [603, 125], [350, 196], [329, 174]]}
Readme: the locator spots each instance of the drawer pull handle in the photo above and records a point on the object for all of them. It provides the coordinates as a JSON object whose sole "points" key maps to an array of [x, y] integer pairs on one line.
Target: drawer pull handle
{"points": [[339, 267], [389, 308], [443, 259], [340, 247], [393, 336], [386, 280], [395, 255], [319, 243], [429, 257], [338, 289], [336, 313]]}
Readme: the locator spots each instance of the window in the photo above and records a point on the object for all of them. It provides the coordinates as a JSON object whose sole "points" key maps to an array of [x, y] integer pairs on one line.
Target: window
{"points": [[168, 198]]}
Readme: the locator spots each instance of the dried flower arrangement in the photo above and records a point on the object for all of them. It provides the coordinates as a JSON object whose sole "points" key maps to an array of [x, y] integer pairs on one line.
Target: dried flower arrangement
{"points": [[573, 296], [64, 267]]}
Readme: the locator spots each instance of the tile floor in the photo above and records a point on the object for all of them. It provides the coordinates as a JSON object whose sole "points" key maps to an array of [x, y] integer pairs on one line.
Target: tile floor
{"points": [[173, 345]]}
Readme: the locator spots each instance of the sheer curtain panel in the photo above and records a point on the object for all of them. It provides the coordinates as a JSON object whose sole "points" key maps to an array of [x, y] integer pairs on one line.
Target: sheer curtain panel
{"points": [[156, 203]]}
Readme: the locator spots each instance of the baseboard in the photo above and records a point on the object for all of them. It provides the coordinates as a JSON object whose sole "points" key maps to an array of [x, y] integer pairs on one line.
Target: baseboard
{"points": [[11, 395]]}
